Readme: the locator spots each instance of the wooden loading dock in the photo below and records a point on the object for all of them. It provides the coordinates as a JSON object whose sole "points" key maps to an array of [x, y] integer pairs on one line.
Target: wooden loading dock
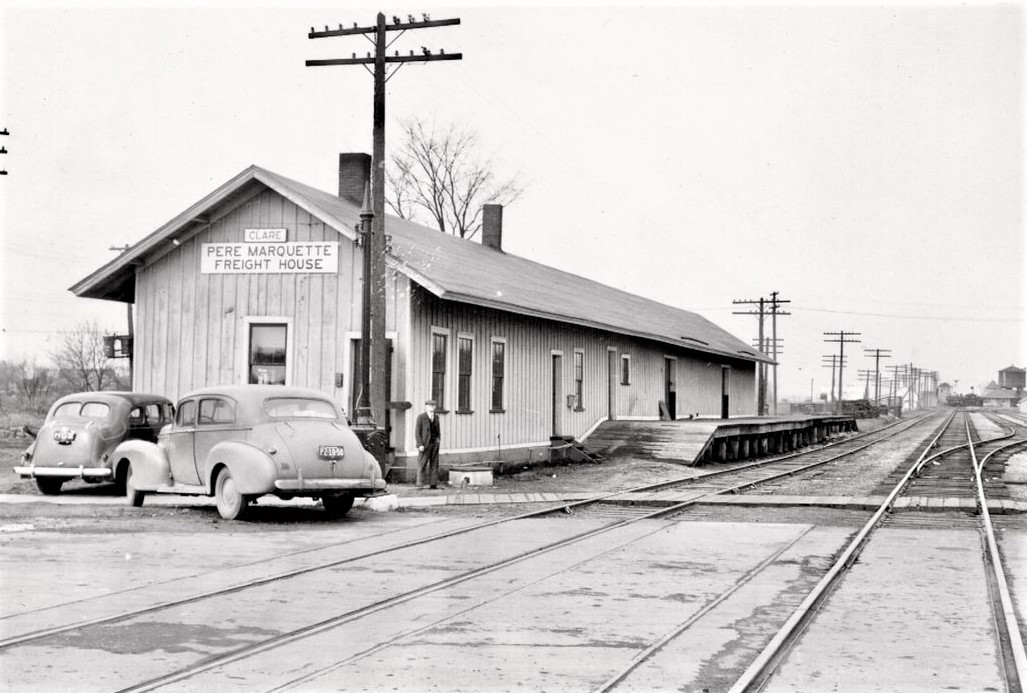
{"points": [[703, 441]]}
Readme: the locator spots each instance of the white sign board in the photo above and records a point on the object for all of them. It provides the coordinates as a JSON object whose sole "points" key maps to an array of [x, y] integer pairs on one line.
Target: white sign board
{"points": [[319, 257], [265, 235]]}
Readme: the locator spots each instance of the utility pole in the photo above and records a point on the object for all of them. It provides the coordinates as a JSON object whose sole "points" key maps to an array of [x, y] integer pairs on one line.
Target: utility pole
{"points": [[3, 150], [878, 355], [867, 376], [841, 342], [832, 361], [761, 388], [896, 371], [372, 406], [131, 332], [775, 302]]}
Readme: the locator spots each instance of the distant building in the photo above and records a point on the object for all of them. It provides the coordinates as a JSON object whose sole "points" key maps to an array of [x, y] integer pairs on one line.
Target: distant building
{"points": [[260, 281], [1012, 378], [944, 390], [997, 397]]}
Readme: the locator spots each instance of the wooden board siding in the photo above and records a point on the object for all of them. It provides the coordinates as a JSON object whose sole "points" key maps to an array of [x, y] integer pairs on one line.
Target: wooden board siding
{"points": [[530, 344], [193, 328], [699, 387]]}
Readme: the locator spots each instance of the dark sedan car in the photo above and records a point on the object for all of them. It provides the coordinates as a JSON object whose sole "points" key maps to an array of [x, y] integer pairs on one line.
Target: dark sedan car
{"points": [[81, 432]]}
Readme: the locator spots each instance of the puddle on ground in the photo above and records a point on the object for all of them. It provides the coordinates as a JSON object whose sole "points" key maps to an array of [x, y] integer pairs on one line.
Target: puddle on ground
{"points": [[138, 638]]}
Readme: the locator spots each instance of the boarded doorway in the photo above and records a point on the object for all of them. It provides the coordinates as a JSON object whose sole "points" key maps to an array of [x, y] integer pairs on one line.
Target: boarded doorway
{"points": [[670, 386], [611, 355]]}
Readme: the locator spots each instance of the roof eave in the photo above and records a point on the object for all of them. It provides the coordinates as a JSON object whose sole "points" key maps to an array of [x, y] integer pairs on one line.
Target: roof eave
{"points": [[556, 317], [89, 287]]}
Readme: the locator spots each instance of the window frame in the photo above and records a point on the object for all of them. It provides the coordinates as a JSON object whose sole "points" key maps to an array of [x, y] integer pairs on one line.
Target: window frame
{"points": [[243, 345], [625, 369], [502, 377], [93, 403], [215, 398], [445, 333], [180, 413], [461, 406], [579, 382]]}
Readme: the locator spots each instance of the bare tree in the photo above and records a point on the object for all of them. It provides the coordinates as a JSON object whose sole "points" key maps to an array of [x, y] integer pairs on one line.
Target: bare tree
{"points": [[34, 385], [81, 361], [438, 171]]}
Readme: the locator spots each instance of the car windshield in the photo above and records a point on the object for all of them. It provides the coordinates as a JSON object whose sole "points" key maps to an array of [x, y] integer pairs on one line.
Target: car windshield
{"points": [[299, 408]]}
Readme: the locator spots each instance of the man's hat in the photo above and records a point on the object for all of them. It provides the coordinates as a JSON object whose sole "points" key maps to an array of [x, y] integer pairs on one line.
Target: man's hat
{"points": [[432, 402]]}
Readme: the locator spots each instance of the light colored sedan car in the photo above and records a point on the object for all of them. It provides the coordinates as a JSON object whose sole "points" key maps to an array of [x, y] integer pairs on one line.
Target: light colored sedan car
{"points": [[239, 442], [81, 433]]}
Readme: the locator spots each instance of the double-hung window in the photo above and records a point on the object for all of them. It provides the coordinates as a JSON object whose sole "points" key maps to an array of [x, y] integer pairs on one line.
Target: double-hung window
{"points": [[498, 375], [438, 370], [465, 365], [579, 379]]}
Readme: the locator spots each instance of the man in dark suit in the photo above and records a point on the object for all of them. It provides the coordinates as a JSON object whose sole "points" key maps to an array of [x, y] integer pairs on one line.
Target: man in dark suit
{"points": [[428, 436]]}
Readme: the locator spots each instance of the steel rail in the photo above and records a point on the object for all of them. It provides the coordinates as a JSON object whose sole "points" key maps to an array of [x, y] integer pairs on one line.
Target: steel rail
{"points": [[648, 652], [744, 579], [215, 571], [253, 649], [760, 667], [566, 508], [759, 670], [1012, 627]]}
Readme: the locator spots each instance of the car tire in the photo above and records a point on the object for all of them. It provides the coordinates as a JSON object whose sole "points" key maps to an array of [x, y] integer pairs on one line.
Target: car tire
{"points": [[231, 504], [133, 495], [48, 485], [337, 506]]}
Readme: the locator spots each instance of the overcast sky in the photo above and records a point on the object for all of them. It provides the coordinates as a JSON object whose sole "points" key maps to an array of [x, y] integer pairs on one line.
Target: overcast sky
{"points": [[865, 161]]}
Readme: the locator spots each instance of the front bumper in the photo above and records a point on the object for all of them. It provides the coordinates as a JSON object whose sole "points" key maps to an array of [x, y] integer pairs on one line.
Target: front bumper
{"points": [[80, 472], [313, 486]]}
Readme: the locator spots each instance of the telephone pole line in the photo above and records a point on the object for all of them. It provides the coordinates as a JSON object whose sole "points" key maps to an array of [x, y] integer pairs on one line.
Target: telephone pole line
{"points": [[841, 342], [761, 388], [3, 150], [374, 349], [775, 302], [832, 361], [896, 374], [766, 345], [867, 376], [878, 355]]}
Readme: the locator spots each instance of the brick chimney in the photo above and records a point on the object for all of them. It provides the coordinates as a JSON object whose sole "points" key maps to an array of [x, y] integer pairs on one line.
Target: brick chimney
{"points": [[354, 174], [492, 226]]}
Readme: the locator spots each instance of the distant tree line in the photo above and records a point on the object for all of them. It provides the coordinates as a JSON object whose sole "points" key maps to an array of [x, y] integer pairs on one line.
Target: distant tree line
{"points": [[77, 363]]}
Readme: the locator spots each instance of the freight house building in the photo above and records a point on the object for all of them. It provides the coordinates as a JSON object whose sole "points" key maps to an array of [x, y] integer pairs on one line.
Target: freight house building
{"points": [[260, 281]]}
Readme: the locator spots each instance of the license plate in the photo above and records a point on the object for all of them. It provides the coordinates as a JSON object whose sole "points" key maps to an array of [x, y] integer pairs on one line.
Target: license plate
{"points": [[64, 436], [331, 452]]}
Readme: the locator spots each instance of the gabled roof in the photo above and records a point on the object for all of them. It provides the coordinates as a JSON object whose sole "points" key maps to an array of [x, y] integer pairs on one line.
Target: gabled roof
{"points": [[449, 267], [1012, 369]]}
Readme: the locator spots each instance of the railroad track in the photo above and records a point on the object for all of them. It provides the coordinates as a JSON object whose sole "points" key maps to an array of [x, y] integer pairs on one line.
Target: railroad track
{"points": [[971, 456], [731, 480]]}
